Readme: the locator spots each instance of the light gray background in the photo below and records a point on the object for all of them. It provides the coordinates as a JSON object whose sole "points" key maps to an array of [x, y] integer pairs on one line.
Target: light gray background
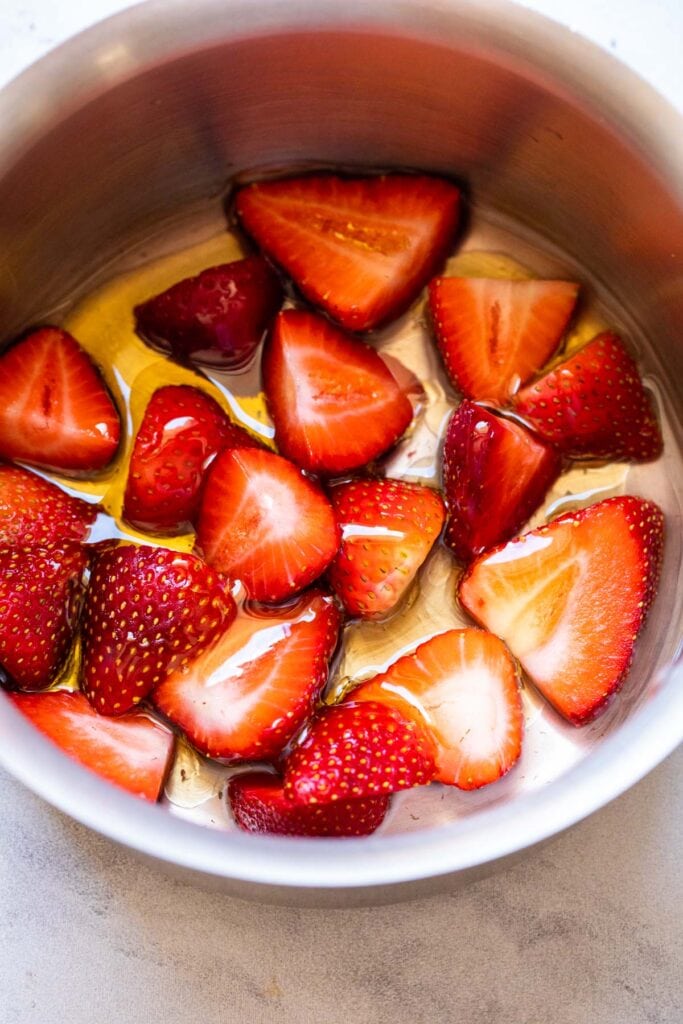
{"points": [[586, 931]]}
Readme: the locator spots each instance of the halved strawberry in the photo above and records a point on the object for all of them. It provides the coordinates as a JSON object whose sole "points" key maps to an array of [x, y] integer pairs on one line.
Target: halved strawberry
{"points": [[148, 611], [134, 752], [334, 402], [40, 599], [217, 318], [594, 404], [387, 528], [493, 334], [570, 598], [258, 804], [263, 522], [55, 410], [495, 474], [182, 431], [462, 687], [356, 750], [361, 248], [246, 695], [34, 511]]}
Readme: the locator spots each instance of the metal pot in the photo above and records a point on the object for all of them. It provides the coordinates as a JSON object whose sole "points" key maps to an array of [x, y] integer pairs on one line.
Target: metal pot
{"points": [[154, 109]]}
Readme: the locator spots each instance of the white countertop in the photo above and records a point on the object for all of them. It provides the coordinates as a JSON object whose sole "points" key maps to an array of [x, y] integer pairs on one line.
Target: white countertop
{"points": [[587, 930]]}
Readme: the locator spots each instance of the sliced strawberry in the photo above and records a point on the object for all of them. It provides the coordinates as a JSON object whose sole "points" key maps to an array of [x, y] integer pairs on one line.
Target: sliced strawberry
{"points": [[356, 750], [217, 318], [334, 402], [182, 431], [570, 598], [361, 248], [595, 405], [493, 334], [34, 512], [388, 528], [148, 612], [40, 600], [462, 686], [495, 475], [134, 752], [246, 696], [263, 522], [259, 804], [55, 410]]}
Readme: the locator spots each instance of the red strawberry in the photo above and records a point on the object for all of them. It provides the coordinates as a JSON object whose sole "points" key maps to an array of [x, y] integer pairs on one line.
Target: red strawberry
{"points": [[263, 522], [595, 405], [245, 697], [462, 686], [148, 612], [40, 599], [134, 752], [494, 335], [356, 750], [182, 431], [36, 512], [334, 402], [361, 248], [259, 804], [495, 475], [216, 318], [570, 598], [55, 410], [388, 528]]}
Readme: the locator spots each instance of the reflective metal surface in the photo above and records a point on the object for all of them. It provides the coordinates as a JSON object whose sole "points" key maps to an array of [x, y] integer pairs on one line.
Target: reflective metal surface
{"points": [[153, 111]]}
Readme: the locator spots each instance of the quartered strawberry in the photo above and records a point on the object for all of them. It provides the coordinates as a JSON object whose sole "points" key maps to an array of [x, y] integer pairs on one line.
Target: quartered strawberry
{"points": [[462, 687], [148, 612], [133, 751], [263, 522], [249, 692], [594, 404], [55, 411], [494, 335], [495, 475], [40, 599], [259, 804], [334, 401], [35, 512], [570, 598], [360, 248], [182, 431], [217, 318], [387, 528], [356, 750]]}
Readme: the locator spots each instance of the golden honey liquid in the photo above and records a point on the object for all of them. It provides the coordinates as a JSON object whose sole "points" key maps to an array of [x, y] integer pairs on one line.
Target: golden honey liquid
{"points": [[103, 323]]}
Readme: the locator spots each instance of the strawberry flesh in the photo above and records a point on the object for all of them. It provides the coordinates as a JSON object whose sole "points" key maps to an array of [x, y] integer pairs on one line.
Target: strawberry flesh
{"points": [[356, 750], [263, 522], [182, 431], [134, 752], [40, 599], [495, 475], [217, 318], [569, 599], [35, 512], [594, 405], [387, 528], [246, 695], [493, 334], [360, 248], [335, 403], [462, 687], [55, 410], [259, 804], [148, 612]]}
